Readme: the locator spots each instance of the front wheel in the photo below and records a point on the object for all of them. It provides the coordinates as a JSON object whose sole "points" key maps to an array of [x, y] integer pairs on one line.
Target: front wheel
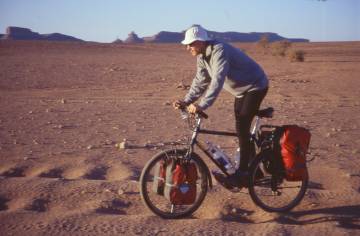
{"points": [[270, 190], [155, 199]]}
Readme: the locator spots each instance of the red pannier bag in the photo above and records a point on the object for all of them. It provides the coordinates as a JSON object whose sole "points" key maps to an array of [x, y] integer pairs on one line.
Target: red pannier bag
{"points": [[180, 187], [159, 177], [294, 146]]}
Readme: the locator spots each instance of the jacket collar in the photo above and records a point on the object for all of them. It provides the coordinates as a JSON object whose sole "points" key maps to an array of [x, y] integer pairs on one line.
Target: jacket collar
{"points": [[208, 51]]}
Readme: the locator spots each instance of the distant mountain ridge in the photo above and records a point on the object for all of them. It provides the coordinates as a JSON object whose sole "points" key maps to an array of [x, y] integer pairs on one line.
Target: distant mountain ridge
{"points": [[250, 37], [165, 37], [177, 37], [19, 33]]}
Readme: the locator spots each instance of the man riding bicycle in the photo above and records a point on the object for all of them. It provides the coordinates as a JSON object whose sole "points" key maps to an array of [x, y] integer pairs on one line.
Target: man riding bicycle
{"points": [[220, 65]]}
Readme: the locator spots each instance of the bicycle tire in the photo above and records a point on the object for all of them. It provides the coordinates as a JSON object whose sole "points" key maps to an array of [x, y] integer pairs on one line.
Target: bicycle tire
{"points": [[149, 197], [260, 187]]}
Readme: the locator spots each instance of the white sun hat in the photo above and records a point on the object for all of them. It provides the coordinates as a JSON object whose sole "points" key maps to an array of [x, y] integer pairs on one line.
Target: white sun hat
{"points": [[195, 33]]}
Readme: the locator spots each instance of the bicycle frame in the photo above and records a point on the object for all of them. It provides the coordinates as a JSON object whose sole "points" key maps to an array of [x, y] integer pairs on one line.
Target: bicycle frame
{"points": [[265, 181], [203, 146]]}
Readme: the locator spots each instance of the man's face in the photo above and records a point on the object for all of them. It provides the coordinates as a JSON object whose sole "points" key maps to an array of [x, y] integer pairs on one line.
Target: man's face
{"points": [[196, 47]]}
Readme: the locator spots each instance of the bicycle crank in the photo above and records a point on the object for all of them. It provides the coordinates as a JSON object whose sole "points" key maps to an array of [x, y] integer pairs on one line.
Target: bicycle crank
{"points": [[276, 193]]}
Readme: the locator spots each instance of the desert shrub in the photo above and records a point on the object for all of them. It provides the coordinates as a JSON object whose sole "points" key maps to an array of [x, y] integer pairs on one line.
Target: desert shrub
{"points": [[297, 56], [280, 48], [264, 43]]}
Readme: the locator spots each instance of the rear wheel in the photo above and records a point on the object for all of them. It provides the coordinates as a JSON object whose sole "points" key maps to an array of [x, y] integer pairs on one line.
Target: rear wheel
{"points": [[270, 190], [156, 201]]}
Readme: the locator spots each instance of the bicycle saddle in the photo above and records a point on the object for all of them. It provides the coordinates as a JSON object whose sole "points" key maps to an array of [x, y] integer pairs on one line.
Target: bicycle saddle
{"points": [[265, 113]]}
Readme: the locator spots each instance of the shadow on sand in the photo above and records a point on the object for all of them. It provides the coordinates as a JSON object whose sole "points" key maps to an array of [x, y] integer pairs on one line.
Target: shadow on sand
{"points": [[344, 216], [314, 185], [161, 145]]}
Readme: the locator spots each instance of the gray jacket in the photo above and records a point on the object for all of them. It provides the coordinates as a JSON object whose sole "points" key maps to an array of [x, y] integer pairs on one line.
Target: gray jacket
{"points": [[224, 66]]}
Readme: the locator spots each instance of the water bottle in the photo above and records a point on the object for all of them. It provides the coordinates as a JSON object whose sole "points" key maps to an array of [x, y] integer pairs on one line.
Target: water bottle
{"points": [[221, 158], [237, 159]]}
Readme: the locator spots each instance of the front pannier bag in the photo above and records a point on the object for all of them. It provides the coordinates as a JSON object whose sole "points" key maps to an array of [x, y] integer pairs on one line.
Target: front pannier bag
{"points": [[294, 144], [180, 186]]}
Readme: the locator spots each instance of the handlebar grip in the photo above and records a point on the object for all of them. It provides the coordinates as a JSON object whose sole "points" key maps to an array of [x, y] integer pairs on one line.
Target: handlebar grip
{"points": [[201, 113]]}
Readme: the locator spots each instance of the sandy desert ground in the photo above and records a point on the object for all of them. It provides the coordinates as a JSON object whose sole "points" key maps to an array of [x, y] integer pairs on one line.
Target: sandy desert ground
{"points": [[64, 106]]}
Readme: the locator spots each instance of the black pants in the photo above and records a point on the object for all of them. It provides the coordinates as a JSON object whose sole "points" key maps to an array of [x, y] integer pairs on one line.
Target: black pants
{"points": [[246, 108]]}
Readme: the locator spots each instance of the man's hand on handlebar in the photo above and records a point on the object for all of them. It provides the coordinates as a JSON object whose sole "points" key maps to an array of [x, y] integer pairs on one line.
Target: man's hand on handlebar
{"points": [[193, 109], [179, 104]]}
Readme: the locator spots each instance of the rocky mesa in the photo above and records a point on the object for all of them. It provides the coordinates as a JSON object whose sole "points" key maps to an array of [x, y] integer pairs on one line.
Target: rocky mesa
{"points": [[176, 37], [19, 33]]}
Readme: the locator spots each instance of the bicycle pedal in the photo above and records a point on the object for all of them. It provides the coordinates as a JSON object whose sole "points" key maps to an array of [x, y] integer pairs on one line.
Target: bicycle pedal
{"points": [[276, 193], [236, 190]]}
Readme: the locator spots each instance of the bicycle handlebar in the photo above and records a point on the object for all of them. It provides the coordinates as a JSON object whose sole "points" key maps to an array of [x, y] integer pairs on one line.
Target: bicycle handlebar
{"points": [[200, 113]]}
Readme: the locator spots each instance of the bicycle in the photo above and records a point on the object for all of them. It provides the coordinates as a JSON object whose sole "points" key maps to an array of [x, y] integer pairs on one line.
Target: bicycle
{"points": [[267, 185]]}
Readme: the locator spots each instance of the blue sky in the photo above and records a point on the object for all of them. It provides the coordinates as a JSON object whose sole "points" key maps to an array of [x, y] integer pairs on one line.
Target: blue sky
{"points": [[106, 20]]}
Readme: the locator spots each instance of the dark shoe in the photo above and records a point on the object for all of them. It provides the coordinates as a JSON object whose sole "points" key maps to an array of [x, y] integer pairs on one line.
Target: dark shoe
{"points": [[259, 174], [241, 178], [237, 180]]}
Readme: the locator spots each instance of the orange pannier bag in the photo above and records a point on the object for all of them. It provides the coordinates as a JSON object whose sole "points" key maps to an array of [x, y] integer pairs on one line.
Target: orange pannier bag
{"points": [[294, 146], [180, 186]]}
